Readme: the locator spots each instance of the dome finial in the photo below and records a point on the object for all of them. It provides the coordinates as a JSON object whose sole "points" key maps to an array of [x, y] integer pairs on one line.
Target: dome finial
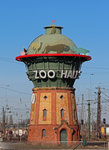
{"points": [[53, 29]]}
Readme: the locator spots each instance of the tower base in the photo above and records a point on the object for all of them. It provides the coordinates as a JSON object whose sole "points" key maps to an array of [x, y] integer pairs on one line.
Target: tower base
{"points": [[59, 123]]}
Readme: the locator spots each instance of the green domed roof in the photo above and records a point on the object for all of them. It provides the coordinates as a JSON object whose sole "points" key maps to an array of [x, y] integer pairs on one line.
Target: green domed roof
{"points": [[52, 42]]}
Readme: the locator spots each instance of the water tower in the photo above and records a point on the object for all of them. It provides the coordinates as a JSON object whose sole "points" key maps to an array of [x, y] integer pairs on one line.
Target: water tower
{"points": [[53, 64]]}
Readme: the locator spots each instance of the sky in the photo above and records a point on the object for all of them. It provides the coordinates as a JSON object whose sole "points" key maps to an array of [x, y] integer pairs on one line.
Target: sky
{"points": [[85, 22]]}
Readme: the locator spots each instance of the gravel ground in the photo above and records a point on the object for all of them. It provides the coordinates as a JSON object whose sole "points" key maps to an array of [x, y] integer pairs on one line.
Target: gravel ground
{"points": [[26, 146]]}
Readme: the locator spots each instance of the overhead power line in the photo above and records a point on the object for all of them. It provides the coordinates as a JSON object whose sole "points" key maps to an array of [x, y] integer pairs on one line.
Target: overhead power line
{"points": [[16, 91], [105, 94], [101, 68], [107, 100]]}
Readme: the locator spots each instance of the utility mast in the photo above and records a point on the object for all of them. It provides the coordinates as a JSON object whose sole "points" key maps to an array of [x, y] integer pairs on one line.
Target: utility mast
{"points": [[3, 120], [99, 112], [82, 109], [89, 119], [11, 120]]}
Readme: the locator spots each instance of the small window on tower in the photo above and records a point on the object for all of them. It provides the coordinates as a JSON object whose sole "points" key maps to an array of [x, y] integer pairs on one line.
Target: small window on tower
{"points": [[43, 133], [61, 97], [62, 113], [45, 97], [44, 114]]}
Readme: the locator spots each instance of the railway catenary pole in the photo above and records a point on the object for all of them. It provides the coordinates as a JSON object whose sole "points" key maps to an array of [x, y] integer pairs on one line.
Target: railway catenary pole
{"points": [[99, 112], [88, 119], [3, 120], [82, 109]]}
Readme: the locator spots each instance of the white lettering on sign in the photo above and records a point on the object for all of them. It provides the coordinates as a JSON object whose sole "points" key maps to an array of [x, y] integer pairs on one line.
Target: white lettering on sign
{"points": [[70, 74], [51, 74], [42, 74], [36, 74], [73, 74], [64, 74]]}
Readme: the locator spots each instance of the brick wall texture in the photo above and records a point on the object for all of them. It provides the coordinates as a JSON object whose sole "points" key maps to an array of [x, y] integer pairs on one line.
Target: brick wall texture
{"points": [[61, 113]]}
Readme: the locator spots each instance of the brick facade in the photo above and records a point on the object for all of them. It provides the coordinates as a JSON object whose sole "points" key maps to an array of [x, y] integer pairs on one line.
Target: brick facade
{"points": [[53, 100]]}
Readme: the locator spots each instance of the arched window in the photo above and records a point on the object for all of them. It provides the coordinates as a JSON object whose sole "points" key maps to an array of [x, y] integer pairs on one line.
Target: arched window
{"points": [[44, 114], [62, 113], [43, 133]]}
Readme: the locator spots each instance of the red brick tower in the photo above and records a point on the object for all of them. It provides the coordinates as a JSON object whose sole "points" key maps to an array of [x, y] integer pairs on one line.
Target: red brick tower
{"points": [[53, 63]]}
